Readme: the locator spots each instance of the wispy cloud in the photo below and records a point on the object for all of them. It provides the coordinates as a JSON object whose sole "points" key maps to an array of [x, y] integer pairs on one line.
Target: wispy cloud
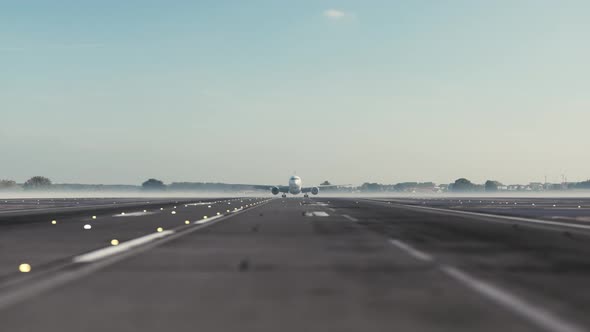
{"points": [[337, 14]]}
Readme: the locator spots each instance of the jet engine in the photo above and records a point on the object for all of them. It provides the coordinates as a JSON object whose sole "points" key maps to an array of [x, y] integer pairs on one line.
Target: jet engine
{"points": [[315, 190], [274, 190]]}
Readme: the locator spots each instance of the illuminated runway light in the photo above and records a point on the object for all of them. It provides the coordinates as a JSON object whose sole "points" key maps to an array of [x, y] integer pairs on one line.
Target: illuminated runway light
{"points": [[175, 207], [144, 211], [553, 205], [93, 217], [208, 206], [579, 207], [161, 209], [227, 210], [122, 213], [53, 222], [114, 242], [173, 212], [24, 268], [204, 217], [159, 229], [187, 222], [218, 213], [87, 226]]}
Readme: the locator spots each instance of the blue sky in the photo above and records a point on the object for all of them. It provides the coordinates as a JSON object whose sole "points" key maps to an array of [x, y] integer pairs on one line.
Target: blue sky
{"points": [[250, 91]]}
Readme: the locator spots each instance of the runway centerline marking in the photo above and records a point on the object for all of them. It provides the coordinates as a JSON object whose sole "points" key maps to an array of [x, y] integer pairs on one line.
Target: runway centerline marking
{"points": [[113, 250], [540, 317], [411, 251], [350, 218]]}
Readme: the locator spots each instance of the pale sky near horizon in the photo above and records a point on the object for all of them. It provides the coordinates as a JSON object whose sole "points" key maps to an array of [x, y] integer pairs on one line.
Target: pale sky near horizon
{"points": [[251, 91]]}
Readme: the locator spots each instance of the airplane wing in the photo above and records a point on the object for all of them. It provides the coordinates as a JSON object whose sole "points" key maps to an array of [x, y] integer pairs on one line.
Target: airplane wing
{"points": [[330, 186], [282, 189]]}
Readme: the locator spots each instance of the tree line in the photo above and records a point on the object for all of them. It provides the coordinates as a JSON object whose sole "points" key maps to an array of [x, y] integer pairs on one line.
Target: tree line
{"points": [[459, 185]]}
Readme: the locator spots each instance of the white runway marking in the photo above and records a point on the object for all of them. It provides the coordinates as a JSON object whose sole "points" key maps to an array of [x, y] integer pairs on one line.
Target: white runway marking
{"points": [[113, 250], [316, 214], [496, 216], [350, 218], [63, 275], [537, 316], [541, 318], [133, 214], [205, 220], [411, 251]]}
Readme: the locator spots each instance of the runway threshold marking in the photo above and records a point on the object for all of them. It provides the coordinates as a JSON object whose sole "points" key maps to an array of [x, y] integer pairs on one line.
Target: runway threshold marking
{"points": [[533, 314]]}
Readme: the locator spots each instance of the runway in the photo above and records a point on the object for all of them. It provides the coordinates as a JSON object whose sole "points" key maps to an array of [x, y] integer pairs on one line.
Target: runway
{"points": [[272, 264]]}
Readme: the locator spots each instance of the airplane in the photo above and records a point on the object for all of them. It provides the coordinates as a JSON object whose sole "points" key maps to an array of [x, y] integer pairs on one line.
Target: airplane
{"points": [[295, 187]]}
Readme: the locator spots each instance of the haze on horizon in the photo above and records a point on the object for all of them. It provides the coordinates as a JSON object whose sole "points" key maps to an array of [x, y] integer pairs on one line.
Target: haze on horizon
{"points": [[249, 92]]}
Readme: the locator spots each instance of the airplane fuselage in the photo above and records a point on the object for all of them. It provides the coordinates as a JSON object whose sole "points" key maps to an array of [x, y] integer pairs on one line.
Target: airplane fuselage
{"points": [[295, 185]]}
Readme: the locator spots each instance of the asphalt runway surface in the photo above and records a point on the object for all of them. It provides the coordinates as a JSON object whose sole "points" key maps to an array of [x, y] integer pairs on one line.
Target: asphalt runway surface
{"points": [[549, 208], [272, 264]]}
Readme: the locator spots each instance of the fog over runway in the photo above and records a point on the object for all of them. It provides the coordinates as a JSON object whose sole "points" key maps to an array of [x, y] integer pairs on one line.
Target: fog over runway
{"points": [[294, 264]]}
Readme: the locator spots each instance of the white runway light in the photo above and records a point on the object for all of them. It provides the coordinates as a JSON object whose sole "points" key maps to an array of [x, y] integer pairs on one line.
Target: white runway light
{"points": [[173, 212], [24, 268], [93, 217], [87, 226]]}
